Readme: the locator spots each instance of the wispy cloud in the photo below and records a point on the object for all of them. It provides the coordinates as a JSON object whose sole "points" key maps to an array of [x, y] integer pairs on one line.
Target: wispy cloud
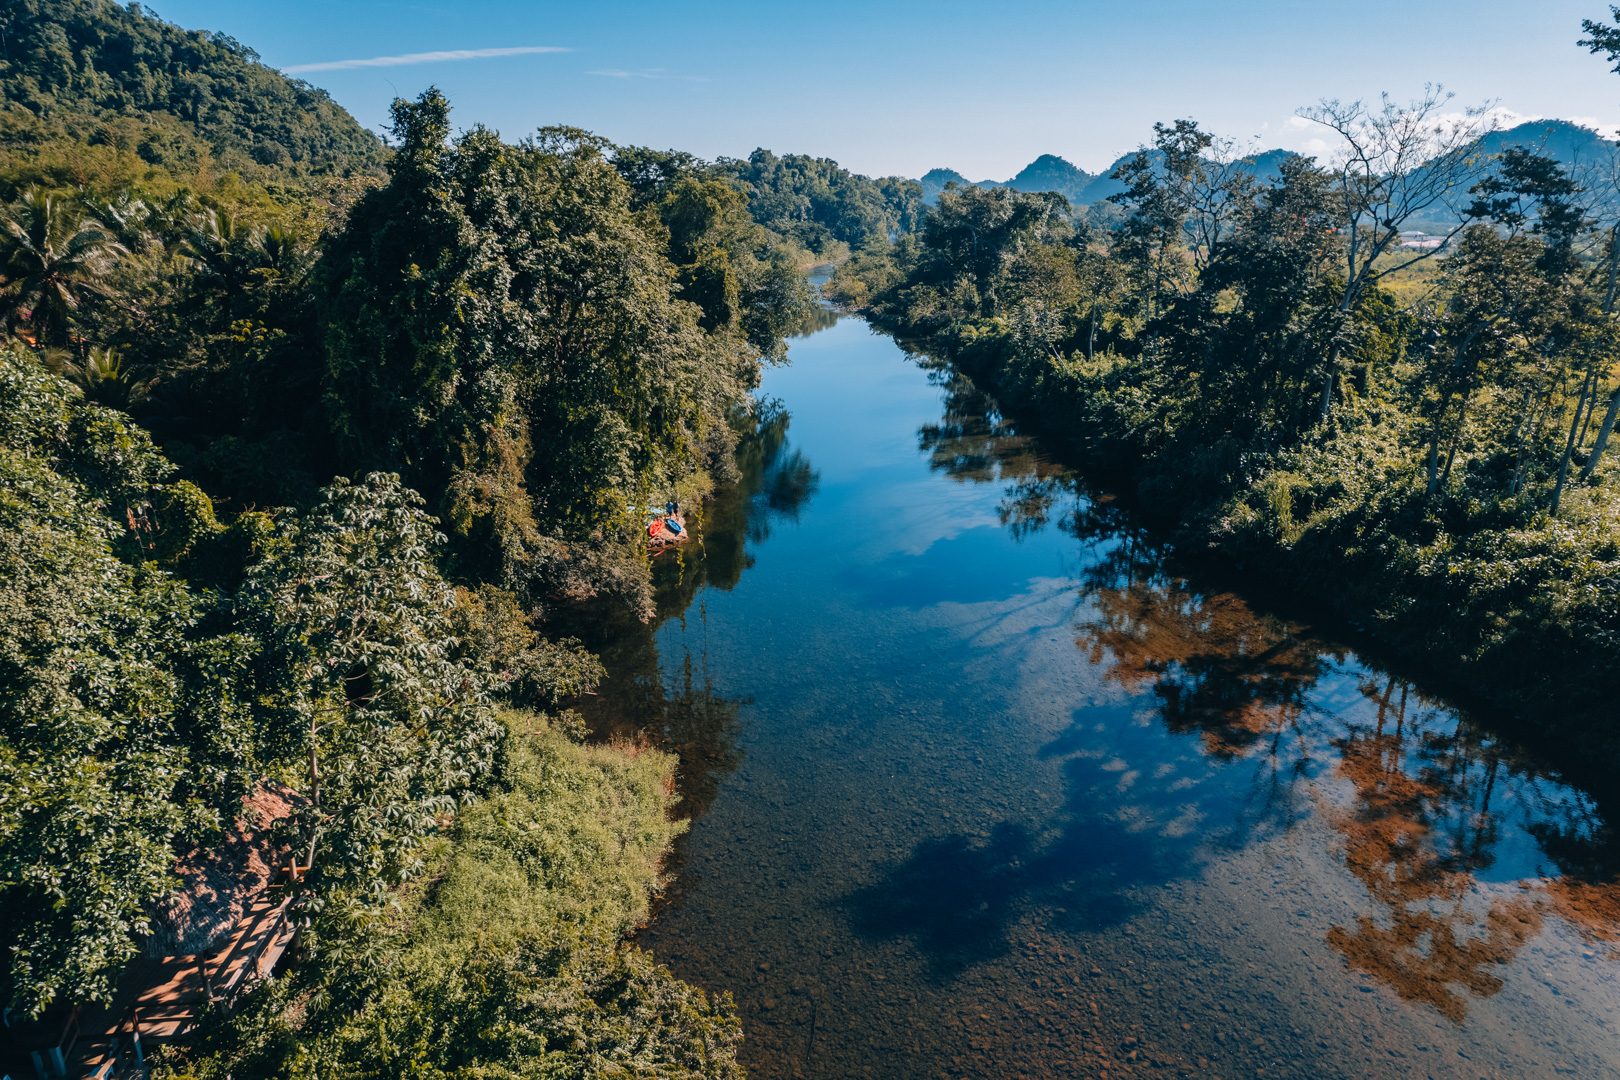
{"points": [[646, 73], [441, 56]]}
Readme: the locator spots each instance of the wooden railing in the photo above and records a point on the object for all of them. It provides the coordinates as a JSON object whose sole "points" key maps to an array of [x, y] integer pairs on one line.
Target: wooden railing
{"points": [[247, 955], [53, 1060]]}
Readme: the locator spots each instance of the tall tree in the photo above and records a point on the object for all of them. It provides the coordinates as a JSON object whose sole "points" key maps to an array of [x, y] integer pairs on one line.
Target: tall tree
{"points": [[364, 687], [1182, 196], [1394, 162], [1605, 38]]}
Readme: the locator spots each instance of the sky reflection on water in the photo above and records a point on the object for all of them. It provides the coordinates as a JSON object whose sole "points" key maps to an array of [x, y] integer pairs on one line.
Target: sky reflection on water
{"points": [[981, 786]]}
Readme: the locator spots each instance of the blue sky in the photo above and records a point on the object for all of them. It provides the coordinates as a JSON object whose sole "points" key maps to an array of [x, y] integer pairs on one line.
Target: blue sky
{"points": [[903, 86]]}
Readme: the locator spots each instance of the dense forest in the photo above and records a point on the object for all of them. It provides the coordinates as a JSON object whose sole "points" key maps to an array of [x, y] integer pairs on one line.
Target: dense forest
{"points": [[312, 444], [1418, 440]]}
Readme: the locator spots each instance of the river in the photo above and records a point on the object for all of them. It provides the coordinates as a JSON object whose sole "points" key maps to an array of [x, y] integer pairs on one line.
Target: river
{"points": [[981, 787]]}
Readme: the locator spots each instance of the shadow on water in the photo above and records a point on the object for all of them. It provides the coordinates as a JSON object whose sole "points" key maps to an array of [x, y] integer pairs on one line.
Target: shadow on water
{"points": [[1123, 827], [1232, 726], [958, 897]]}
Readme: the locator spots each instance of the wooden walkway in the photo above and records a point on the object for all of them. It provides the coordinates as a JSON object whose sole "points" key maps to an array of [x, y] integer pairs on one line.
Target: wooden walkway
{"points": [[161, 999]]}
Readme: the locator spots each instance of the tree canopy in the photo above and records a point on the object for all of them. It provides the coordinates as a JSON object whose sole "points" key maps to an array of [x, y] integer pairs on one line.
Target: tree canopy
{"points": [[1418, 434], [102, 72]]}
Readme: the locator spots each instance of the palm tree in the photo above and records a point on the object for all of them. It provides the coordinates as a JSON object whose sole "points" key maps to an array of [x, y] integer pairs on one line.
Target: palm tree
{"points": [[102, 375], [221, 254], [231, 261], [128, 218], [281, 254], [52, 256]]}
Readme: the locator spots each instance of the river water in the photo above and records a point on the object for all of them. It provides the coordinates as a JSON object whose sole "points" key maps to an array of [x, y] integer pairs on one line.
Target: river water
{"points": [[980, 787]]}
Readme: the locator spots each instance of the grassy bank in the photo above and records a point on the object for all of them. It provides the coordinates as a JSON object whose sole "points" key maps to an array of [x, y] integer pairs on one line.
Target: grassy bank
{"points": [[508, 958]]}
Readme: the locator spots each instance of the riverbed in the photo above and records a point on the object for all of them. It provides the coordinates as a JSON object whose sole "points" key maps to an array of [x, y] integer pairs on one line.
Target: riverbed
{"points": [[979, 786]]}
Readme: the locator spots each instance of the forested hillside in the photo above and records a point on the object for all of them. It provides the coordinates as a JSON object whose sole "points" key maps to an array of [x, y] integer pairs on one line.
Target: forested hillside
{"points": [[102, 73]]}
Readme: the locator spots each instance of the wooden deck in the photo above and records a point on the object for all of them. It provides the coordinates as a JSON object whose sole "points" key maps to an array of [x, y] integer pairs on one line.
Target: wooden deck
{"points": [[161, 999]]}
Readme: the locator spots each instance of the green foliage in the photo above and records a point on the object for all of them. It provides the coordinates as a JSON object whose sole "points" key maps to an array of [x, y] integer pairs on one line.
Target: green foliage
{"points": [[51, 255], [733, 269], [362, 685], [186, 312], [493, 630], [512, 962], [503, 327], [121, 726], [820, 204], [866, 274], [542, 338], [104, 73], [468, 882]]}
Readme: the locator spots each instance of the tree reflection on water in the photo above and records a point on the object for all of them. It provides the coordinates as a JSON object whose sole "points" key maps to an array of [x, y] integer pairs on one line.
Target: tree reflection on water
{"points": [[1461, 845], [1418, 830], [689, 717]]}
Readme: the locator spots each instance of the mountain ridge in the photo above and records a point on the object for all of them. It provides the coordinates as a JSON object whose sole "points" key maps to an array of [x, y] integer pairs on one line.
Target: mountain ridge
{"points": [[1572, 144]]}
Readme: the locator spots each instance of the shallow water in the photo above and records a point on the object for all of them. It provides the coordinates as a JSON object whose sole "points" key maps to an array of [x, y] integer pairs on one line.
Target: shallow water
{"points": [[980, 787]]}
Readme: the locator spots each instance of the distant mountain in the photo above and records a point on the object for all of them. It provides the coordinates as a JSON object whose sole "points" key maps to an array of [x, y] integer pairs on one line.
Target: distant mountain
{"points": [[1579, 149], [1052, 173], [100, 72], [1046, 173], [1565, 141], [1103, 185], [1582, 151], [1267, 165], [934, 180]]}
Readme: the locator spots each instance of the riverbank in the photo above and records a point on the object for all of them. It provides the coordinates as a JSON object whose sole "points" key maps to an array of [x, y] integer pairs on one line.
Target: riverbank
{"points": [[529, 897], [980, 784], [1363, 580]]}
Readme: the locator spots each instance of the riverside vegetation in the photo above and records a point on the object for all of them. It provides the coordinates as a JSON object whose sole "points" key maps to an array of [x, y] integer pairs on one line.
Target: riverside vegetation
{"points": [[312, 445], [219, 293], [1420, 446]]}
